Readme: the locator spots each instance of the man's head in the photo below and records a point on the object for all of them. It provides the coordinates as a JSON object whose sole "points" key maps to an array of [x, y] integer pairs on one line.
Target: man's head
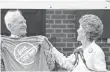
{"points": [[15, 22]]}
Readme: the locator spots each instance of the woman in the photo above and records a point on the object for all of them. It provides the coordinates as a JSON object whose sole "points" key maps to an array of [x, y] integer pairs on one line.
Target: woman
{"points": [[90, 29]]}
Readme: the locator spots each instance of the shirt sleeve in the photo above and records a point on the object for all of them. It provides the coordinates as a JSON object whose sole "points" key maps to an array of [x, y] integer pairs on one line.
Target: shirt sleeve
{"points": [[99, 61], [65, 62]]}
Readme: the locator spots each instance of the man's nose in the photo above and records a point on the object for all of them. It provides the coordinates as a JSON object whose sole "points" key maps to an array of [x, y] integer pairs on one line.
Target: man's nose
{"points": [[24, 25]]}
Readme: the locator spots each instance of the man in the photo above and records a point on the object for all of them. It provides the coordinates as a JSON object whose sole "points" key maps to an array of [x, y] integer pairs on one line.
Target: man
{"points": [[21, 53]]}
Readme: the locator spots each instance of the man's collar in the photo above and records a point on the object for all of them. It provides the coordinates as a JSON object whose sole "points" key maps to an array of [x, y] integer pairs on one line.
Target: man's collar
{"points": [[14, 36]]}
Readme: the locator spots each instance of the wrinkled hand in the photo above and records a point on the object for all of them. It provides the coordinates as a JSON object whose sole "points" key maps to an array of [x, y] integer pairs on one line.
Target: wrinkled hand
{"points": [[44, 38], [40, 38]]}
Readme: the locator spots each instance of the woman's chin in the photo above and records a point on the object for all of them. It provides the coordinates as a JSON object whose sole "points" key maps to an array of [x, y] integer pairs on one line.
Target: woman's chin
{"points": [[78, 39]]}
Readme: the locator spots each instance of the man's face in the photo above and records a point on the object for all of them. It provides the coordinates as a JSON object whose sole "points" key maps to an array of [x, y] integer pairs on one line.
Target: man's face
{"points": [[18, 26]]}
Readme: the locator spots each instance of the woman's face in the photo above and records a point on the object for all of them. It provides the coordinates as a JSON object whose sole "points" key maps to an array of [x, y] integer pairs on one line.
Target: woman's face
{"points": [[81, 34]]}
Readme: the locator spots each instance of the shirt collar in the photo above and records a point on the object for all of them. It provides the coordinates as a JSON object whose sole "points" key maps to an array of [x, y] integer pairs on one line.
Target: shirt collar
{"points": [[14, 36]]}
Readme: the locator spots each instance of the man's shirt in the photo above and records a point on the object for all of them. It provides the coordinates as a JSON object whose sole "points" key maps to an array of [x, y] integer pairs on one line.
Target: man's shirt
{"points": [[26, 54]]}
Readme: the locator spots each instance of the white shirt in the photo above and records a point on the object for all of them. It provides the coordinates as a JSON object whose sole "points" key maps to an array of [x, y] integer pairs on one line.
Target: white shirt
{"points": [[93, 54]]}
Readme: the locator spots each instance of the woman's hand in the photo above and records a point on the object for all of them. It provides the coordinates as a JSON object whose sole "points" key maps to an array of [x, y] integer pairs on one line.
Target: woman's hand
{"points": [[78, 50]]}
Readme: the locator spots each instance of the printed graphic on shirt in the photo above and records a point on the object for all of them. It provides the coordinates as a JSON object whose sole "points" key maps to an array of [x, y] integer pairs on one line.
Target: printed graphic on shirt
{"points": [[24, 53]]}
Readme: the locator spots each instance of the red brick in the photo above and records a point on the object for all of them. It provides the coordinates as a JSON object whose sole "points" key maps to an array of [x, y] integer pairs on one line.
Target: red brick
{"points": [[68, 49], [52, 39], [50, 21], [98, 40], [58, 35], [57, 30], [58, 12], [71, 17], [106, 58], [49, 11], [49, 30], [68, 21], [77, 44], [47, 26], [68, 12], [71, 35], [58, 39], [69, 53], [48, 35], [54, 44], [59, 49], [105, 49], [58, 26], [69, 39], [65, 53], [108, 68], [58, 21], [71, 26], [104, 44], [60, 44], [104, 39], [107, 54], [58, 16], [68, 30], [70, 45], [108, 63], [47, 16]]}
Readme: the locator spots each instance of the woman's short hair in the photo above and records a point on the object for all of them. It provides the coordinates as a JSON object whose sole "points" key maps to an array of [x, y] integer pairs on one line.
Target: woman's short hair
{"points": [[92, 25]]}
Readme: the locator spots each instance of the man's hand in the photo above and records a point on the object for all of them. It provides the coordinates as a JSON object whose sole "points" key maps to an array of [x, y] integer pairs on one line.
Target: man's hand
{"points": [[40, 39], [44, 41]]}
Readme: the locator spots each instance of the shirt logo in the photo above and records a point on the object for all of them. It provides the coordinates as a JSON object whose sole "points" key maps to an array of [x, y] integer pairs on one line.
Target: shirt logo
{"points": [[24, 53]]}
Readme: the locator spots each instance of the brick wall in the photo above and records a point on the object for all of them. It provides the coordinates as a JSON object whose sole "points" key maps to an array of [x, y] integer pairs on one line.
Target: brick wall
{"points": [[61, 29]]}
